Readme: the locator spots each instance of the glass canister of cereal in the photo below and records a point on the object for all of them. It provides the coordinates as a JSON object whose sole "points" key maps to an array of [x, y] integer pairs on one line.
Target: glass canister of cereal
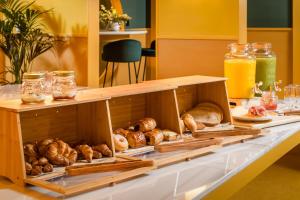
{"points": [[64, 85], [33, 88]]}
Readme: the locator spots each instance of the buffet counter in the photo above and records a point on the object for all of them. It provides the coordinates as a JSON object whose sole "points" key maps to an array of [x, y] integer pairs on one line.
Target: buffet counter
{"points": [[214, 176]]}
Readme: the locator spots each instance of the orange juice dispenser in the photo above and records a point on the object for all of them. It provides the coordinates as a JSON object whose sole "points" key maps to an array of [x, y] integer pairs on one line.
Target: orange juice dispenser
{"points": [[239, 68]]}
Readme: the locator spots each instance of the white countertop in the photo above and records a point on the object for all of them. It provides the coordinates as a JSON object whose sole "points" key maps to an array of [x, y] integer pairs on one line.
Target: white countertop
{"points": [[125, 32], [184, 180]]}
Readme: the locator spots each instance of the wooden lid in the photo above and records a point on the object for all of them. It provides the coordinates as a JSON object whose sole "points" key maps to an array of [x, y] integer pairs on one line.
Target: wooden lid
{"points": [[84, 96], [189, 80], [64, 73], [134, 89], [33, 75]]}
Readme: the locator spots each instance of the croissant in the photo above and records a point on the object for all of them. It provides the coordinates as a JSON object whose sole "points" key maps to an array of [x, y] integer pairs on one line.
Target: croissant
{"points": [[60, 153], [103, 149], [30, 150], [30, 159], [97, 155], [42, 146], [189, 122], [43, 161], [86, 151], [145, 125], [36, 170], [48, 168], [28, 168]]}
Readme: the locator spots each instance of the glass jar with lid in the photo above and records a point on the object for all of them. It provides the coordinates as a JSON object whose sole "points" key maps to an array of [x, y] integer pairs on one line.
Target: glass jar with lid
{"points": [[64, 85], [33, 88], [265, 64], [239, 68]]}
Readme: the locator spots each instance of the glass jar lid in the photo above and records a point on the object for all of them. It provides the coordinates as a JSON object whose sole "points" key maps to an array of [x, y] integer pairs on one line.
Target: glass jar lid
{"points": [[261, 47], [33, 75], [64, 73]]}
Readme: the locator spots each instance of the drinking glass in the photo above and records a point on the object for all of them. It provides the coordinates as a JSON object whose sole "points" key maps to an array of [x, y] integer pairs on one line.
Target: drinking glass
{"points": [[269, 100], [297, 96], [290, 96]]}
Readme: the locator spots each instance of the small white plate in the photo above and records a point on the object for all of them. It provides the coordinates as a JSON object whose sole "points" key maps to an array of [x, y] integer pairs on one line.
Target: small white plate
{"points": [[247, 118]]}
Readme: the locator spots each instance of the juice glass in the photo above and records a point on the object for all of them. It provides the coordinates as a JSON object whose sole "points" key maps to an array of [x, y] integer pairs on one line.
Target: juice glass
{"points": [[239, 68], [265, 64]]}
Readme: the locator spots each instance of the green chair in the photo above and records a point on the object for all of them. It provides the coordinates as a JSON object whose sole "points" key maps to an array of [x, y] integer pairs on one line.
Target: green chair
{"points": [[121, 51], [147, 52]]}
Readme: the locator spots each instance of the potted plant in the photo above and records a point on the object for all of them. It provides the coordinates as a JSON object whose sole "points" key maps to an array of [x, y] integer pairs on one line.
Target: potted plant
{"points": [[22, 37], [111, 19]]}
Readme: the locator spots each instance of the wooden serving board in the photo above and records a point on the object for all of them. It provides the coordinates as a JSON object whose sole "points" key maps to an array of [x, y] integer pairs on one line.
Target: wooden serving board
{"points": [[108, 167], [137, 151], [276, 121], [224, 133], [292, 112], [189, 144]]}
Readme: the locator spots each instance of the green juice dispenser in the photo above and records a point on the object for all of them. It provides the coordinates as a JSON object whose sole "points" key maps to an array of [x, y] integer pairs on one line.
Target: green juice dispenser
{"points": [[265, 64]]}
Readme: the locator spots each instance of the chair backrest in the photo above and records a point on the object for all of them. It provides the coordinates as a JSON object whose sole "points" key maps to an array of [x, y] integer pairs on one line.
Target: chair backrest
{"points": [[127, 50], [152, 45]]}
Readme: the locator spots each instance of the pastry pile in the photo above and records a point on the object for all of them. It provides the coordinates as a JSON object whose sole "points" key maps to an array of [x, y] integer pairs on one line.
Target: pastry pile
{"points": [[41, 156], [142, 133], [202, 115]]}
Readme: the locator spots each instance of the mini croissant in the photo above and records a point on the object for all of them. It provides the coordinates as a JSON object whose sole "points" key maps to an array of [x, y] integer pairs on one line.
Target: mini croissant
{"points": [[103, 149], [86, 151], [30, 150]]}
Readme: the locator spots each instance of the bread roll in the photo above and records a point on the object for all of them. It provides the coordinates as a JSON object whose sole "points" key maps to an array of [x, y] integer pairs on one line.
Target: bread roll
{"points": [[121, 143], [200, 126], [145, 125], [207, 113], [154, 137], [169, 135], [189, 122], [136, 139]]}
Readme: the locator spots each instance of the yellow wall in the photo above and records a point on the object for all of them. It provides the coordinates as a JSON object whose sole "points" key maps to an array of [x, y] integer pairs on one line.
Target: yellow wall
{"points": [[198, 19], [296, 41], [193, 35], [69, 21], [68, 16]]}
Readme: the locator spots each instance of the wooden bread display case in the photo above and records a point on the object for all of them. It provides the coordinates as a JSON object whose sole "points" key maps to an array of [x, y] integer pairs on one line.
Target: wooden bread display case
{"points": [[87, 118], [94, 116]]}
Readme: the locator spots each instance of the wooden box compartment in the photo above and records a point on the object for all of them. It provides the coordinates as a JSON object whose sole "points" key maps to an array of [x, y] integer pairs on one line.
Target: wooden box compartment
{"points": [[86, 122], [193, 90], [130, 103], [86, 118]]}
